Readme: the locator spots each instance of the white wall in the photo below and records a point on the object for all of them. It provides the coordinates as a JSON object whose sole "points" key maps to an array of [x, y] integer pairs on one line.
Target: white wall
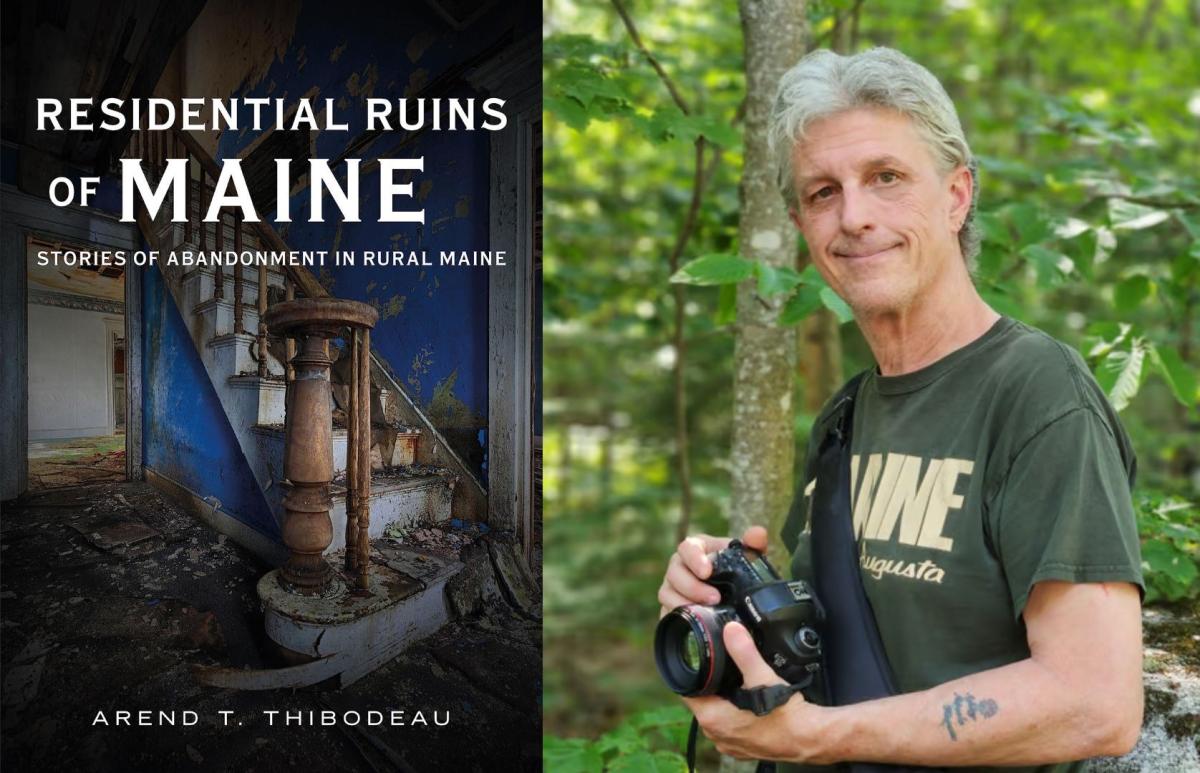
{"points": [[70, 373]]}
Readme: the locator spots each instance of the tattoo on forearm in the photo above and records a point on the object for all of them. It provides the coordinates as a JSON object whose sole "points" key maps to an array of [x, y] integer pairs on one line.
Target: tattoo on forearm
{"points": [[964, 708]]}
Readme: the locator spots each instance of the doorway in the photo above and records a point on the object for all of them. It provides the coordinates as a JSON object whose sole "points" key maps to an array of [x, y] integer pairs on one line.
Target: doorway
{"points": [[76, 366]]}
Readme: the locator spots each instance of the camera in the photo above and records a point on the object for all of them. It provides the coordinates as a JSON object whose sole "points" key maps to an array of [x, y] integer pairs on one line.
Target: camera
{"points": [[782, 616]]}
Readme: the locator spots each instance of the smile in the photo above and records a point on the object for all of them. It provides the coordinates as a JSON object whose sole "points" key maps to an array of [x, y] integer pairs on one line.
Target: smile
{"points": [[865, 255]]}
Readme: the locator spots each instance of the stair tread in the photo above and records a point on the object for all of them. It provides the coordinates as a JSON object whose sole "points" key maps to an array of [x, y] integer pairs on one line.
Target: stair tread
{"points": [[390, 479]]}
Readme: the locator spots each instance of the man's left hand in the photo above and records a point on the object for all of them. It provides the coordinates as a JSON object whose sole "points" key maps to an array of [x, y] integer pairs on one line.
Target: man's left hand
{"points": [[787, 733]]}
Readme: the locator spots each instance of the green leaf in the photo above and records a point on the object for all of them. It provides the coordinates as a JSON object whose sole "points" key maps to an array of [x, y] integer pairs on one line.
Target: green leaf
{"points": [[1129, 216], [1000, 297], [568, 110], [1168, 562], [571, 755], [715, 130], [648, 762], [1031, 224], [1178, 375], [664, 715], [1129, 293], [670, 123], [773, 280], [1081, 250], [585, 83], [1048, 263], [1120, 374], [834, 303], [1108, 335], [1190, 223], [623, 738], [994, 230], [715, 269], [990, 260], [726, 304], [806, 300]]}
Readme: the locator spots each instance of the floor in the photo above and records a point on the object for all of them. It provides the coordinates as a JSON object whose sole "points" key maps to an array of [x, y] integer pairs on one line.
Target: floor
{"points": [[110, 593], [76, 461]]}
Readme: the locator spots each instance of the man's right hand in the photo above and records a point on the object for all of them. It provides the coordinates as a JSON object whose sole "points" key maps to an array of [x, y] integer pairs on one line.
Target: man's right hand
{"points": [[690, 566]]}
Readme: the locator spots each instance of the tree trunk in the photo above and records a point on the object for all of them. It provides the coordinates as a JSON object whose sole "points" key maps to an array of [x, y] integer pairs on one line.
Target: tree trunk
{"points": [[764, 447], [820, 358], [764, 352], [818, 353]]}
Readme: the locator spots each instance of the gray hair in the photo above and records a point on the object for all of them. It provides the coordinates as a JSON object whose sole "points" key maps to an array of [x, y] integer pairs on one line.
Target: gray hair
{"points": [[824, 83]]}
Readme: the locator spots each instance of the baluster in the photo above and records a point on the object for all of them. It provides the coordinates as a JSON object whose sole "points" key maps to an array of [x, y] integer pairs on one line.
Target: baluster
{"points": [[219, 277], [262, 324], [187, 188], [307, 528], [238, 325], [352, 492], [200, 211], [289, 294], [363, 382]]}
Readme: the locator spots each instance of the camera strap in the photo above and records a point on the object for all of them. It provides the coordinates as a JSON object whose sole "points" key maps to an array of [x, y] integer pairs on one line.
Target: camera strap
{"points": [[856, 667], [761, 700]]}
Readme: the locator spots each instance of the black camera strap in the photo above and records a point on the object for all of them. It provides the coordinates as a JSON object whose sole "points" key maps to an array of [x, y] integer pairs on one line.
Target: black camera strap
{"points": [[760, 700], [856, 667]]}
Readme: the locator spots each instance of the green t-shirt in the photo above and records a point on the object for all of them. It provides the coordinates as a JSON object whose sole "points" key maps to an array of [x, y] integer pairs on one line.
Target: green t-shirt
{"points": [[998, 466]]}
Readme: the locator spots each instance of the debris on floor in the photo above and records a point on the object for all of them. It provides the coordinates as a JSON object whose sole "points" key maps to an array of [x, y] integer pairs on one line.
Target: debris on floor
{"points": [[112, 595], [449, 538]]}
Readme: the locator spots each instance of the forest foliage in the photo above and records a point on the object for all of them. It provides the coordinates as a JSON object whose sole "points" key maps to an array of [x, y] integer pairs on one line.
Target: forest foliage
{"points": [[1084, 118]]}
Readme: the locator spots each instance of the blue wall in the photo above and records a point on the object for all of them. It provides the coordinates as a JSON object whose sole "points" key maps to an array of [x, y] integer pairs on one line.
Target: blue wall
{"points": [[185, 433], [433, 320]]}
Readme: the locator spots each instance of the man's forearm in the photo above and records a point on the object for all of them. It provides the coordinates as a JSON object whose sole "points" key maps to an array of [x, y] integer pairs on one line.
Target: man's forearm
{"points": [[1022, 713]]}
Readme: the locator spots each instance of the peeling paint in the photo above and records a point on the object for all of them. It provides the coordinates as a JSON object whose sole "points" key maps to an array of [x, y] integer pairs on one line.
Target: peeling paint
{"points": [[337, 238], [394, 306], [336, 53], [363, 86], [462, 207], [416, 81], [424, 191], [420, 44], [422, 361], [446, 410], [326, 279]]}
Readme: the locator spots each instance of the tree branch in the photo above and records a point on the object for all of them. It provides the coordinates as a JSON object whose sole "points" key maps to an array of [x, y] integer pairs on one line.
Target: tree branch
{"points": [[686, 229], [658, 68]]}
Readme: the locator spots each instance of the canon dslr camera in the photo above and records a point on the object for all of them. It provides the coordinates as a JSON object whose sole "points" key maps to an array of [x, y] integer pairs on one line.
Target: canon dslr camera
{"points": [[783, 617]]}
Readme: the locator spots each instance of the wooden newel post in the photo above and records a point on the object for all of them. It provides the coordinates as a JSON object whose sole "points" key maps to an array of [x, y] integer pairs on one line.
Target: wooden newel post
{"points": [[308, 442]]}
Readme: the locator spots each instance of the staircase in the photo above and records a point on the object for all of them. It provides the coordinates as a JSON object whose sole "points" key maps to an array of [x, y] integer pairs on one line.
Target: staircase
{"points": [[221, 308]]}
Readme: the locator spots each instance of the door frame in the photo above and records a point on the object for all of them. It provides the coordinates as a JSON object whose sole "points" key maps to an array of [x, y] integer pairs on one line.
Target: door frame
{"points": [[513, 75], [23, 216]]}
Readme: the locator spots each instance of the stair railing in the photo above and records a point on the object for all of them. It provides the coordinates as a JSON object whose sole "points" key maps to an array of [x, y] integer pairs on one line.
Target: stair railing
{"points": [[154, 147]]}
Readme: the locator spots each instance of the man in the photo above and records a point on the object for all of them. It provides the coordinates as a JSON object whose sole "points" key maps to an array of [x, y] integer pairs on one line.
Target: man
{"points": [[990, 477]]}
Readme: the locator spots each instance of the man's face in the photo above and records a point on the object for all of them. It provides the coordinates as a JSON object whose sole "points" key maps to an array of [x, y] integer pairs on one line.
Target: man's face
{"points": [[881, 222]]}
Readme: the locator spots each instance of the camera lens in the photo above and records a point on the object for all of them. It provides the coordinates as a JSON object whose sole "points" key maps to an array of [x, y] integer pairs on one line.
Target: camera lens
{"points": [[688, 649], [691, 652]]}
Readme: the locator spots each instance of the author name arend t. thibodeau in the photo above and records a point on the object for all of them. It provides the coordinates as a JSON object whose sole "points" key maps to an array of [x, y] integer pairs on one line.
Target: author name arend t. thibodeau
{"points": [[273, 717]]}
